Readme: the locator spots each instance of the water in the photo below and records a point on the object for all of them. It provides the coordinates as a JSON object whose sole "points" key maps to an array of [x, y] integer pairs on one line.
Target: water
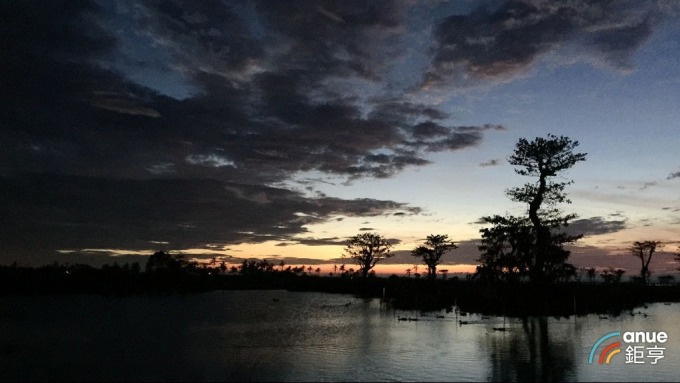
{"points": [[302, 336]]}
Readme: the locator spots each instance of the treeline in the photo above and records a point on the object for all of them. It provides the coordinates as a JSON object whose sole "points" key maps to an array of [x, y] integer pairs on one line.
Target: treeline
{"points": [[174, 275]]}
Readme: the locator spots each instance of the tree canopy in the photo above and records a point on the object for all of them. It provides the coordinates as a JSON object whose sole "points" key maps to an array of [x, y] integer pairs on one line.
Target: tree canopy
{"points": [[644, 250], [366, 250], [431, 252], [163, 262], [505, 248]]}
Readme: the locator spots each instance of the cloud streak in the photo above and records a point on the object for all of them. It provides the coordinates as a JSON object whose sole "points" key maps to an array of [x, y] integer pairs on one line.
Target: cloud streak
{"points": [[595, 226]]}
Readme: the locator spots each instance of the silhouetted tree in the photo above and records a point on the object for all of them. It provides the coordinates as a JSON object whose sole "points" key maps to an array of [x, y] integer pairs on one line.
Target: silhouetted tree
{"points": [[249, 267], [545, 158], [565, 272], [590, 272], [580, 272], [163, 262], [612, 275], [506, 248], [619, 274], [366, 250], [431, 253], [644, 250]]}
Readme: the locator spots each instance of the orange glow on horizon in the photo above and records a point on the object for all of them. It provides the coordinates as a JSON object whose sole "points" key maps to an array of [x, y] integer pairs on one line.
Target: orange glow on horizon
{"points": [[399, 269]]}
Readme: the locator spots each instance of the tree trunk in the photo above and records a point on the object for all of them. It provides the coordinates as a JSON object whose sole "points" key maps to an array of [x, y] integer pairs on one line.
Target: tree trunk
{"points": [[542, 233]]}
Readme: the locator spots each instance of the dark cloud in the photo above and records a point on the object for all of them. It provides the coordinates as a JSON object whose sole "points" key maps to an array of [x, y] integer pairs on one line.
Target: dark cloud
{"points": [[502, 38], [492, 162], [331, 241], [128, 123], [265, 109], [340, 38], [43, 213], [589, 226], [59, 30], [208, 33], [429, 129], [433, 137], [673, 176], [595, 226]]}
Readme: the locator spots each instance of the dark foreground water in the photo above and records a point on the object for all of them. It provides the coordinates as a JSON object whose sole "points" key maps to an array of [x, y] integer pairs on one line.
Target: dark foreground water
{"points": [[301, 336]]}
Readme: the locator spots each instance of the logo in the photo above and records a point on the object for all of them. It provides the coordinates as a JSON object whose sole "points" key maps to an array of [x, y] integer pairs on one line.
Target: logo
{"points": [[608, 351], [637, 343]]}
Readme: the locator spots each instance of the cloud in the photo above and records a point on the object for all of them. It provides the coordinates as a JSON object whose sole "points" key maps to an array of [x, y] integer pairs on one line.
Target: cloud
{"points": [[44, 213], [331, 241], [268, 104], [121, 104], [168, 121], [492, 162], [595, 226], [673, 176], [504, 38]]}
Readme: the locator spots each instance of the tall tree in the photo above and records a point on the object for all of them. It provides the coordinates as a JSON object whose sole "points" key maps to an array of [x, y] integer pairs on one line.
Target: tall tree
{"points": [[644, 250], [431, 252], [545, 159], [505, 248], [366, 250]]}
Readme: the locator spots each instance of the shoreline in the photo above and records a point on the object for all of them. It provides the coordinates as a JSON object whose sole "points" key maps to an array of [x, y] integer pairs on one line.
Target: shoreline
{"points": [[513, 300]]}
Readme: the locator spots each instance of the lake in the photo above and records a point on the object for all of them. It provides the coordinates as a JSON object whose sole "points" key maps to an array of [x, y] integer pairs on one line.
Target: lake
{"points": [[275, 335]]}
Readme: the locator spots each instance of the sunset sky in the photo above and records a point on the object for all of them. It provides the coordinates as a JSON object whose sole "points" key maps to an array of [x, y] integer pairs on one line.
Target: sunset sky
{"points": [[278, 129]]}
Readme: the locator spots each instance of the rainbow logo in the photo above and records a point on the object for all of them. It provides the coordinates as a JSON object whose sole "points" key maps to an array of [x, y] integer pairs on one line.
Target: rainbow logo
{"points": [[609, 351]]}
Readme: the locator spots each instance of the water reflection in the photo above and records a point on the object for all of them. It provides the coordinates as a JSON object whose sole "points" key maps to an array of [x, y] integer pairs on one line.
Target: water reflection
{"points": [[532, 351], [285, 336]]}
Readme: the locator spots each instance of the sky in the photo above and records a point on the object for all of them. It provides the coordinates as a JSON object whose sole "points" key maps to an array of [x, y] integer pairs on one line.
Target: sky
{"points": [[278, 129]]}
